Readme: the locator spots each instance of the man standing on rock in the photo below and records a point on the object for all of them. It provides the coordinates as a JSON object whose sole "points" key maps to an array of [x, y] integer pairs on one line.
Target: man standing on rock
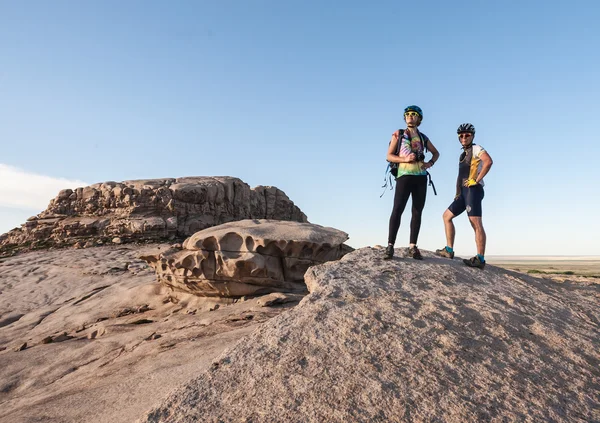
{"points": [[407, 149], [473, 165]]}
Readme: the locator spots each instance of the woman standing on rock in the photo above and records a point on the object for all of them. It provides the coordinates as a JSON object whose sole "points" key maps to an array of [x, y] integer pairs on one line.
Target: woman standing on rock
{"points": [[407, 149]]}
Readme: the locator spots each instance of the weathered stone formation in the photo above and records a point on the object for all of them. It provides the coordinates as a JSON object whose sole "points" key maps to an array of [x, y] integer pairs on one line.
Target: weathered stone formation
{"points": [[409, 341], [249, 257], [153, 209]]}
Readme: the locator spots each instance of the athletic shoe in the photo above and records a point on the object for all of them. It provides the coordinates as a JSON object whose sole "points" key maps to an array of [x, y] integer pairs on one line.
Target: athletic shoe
{"points": [[474, 262], [415, 253], [444, 253], [389, 252]]}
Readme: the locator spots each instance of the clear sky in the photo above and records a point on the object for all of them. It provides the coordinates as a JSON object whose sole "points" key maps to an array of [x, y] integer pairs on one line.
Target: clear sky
{"points": [[304, 95]]}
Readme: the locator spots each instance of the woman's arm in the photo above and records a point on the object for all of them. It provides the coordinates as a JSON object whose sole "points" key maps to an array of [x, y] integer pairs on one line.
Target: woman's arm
{"points": [[391, 153], [434, 158]]}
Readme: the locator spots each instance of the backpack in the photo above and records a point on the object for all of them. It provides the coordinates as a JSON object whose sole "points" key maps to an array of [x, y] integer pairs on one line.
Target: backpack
{"points": [[391, 172]]}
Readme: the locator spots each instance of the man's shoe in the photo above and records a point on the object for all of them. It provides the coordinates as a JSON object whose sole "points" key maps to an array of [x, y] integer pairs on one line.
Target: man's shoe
{"points": [[474, 262], [415, 253], [444, 253], [389, 252]]}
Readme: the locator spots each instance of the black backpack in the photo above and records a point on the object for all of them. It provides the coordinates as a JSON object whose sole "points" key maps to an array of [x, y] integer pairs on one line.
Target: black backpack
{"points": [[391, 172]]}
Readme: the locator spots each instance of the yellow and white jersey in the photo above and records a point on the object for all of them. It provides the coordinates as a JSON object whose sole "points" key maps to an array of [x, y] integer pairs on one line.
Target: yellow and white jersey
{"points": [[470, 164]]}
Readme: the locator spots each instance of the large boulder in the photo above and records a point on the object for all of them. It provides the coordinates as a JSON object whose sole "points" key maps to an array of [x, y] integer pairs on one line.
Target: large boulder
{"points": [[152, 209], [248, 257], [409, 341]]}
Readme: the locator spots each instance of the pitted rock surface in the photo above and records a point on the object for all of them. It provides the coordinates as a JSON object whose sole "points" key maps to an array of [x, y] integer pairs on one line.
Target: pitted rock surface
{"points": [[249, 257], [409, 341], [150, 210]]}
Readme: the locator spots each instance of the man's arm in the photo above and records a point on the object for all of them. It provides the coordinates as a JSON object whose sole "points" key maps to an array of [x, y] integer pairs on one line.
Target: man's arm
{"points": [[457, 187], [486, 164]]}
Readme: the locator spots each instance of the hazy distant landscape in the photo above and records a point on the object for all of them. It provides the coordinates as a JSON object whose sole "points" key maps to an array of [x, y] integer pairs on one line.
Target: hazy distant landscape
{"points": [[587, 266]]}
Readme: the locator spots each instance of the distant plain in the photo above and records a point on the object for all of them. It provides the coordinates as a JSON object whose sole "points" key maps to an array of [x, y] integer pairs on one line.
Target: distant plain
{"points": [[585, 266]]}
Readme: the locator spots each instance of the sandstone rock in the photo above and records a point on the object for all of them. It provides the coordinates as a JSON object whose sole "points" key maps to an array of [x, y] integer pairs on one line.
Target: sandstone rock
{"points": [[62, 337], [21, 347], [149, 210], [141, 322], [409, 341], [143, 308], [100, 377], [152, 337], [97, 333], [249, 257], [276, 299], [117, 240]]}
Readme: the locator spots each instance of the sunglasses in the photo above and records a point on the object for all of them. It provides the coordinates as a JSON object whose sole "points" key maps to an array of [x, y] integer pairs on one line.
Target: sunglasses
{"points": [[465, 135], [411, 114]]}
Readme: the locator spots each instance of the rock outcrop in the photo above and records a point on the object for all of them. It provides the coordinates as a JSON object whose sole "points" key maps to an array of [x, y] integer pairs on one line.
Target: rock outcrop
{"points": [[410, 341], [248, 257], [87, 335], [154, 209]]}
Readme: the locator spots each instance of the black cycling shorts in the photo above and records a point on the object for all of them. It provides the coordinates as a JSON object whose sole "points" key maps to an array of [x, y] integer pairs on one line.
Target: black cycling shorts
{"points": [[470, 199]]}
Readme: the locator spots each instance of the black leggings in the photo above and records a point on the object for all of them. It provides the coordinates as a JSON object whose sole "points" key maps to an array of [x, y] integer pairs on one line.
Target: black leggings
{"points": [[405, 186]]}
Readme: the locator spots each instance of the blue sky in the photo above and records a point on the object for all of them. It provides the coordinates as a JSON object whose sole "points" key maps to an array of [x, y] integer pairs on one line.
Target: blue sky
{"points": [[304, 95]]}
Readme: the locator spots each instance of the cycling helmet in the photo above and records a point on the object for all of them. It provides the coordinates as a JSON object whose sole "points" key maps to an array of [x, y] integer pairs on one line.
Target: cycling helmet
{"points": [[466, 127], [414, 109]]}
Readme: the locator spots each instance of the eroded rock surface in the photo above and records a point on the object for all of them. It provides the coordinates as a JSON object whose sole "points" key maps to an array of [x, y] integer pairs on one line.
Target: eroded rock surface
{"points": [[248, 257], [90, 336], [153, 209], [410, 341]]}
